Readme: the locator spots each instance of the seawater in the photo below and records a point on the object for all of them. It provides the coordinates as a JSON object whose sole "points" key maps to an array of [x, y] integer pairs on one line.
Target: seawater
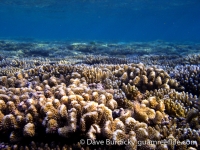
{"points": [[103, 20]]}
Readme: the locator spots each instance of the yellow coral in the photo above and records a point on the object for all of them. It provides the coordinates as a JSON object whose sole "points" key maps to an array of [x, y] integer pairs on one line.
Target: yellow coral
{"points": [[118, 137], [90, 106], [3, 80], [152, 76], [130, 124], [2, 105], [125, 114], [174, 108], [94, 129], [151, 113], [19, 75], [76, 75], [144, 79], [63, 111], [133, 141], [109, 96], [28, 118], [112, 104], [124, 77], [29, 130], [118, 124], [15, 99], [11, 82], [158, 81], [19, 121], [161, 106], [95, 96], [102, 99], [52, 126], [140, 125], [141, 116], [141, 134], [153, 134], [107, 114], [4, 97], [30, 102], [152, 102], [15, 137], [56, 103], [146, 102], [64, 100], [136, 80], [76, 81], [48, 107], [52, 81], [78, 90], [1, 117], [86, 96], [8, 122], [72, 119], [87, 120], [72, 98], [79, 98], [60, 92], [33, 111], [107, 129], [100, 111], [158, 118], [143, 113]]}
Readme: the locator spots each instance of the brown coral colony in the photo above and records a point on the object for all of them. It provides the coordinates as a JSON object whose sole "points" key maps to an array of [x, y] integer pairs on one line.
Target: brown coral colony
{"points": [[65, 103]]}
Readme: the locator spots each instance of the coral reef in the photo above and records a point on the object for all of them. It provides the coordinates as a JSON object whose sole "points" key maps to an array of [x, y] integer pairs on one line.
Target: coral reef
{"points": [[118, 102], [188, 77], [98, 59], [48, 103]]}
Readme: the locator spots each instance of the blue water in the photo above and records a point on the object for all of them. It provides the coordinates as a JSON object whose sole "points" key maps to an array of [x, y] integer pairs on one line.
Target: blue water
{"points": [[103, 20]]}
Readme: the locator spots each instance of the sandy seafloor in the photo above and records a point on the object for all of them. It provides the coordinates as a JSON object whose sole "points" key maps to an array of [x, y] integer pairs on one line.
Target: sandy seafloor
{"points": [[54, 94]]}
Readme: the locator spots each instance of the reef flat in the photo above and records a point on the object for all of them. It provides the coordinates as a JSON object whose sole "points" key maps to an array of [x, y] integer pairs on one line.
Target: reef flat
{"points": [[65, 95]]}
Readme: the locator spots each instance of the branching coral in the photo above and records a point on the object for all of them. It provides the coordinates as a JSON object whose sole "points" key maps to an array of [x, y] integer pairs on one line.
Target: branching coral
{"points": [[96, 102], [143, 113], [29, 130]]}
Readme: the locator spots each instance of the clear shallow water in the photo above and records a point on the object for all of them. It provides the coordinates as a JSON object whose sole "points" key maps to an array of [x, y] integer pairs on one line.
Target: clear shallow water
{"points": [[113, 20], [129, 49]]}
